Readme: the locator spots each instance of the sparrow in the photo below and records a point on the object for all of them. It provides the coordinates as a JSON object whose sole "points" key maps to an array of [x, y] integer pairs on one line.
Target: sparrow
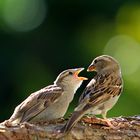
{"points": [[102, 92], [50, 102]]}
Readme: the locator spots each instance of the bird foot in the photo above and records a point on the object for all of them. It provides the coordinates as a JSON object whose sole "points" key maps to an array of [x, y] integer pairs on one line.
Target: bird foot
{"points": [[108, 122], [91, 120], [94, 120], [27, 125], [8, 123]]}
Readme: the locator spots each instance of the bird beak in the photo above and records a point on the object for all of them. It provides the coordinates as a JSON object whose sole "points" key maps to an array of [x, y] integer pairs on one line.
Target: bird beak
{"points": [[91, 68], [78, 70]]}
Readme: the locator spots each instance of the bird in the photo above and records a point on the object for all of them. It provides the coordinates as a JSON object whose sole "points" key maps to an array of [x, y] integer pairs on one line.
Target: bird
{"points": [[52, 101], [101, 93]]}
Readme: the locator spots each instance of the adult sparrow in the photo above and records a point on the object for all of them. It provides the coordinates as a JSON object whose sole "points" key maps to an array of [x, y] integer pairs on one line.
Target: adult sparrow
{"points": [[50, 102], [102, 92]]}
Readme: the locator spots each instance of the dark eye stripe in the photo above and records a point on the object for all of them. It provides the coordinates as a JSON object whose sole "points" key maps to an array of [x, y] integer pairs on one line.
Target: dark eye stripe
{"points": [[95, 61], [70, 73]]}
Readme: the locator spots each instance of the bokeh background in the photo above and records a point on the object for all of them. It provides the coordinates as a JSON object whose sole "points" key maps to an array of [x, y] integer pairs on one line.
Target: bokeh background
{"points": [[40, 38]]}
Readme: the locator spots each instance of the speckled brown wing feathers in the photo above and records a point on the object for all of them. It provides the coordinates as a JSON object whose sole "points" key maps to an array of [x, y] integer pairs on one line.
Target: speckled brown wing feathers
{"points": [[100, 90], [37, 102]]}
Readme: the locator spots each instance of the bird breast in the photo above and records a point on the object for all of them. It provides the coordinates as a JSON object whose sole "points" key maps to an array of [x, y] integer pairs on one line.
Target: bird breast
{"points": [[106, 106]]}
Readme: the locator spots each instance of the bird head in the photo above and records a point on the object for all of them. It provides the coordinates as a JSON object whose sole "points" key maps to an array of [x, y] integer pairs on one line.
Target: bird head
{"points": [[104, 63], [70, 78]]}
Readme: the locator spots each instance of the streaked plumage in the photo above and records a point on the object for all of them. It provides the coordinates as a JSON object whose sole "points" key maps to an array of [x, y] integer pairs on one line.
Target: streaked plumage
{"points": [[50, 102], [101, 93]]}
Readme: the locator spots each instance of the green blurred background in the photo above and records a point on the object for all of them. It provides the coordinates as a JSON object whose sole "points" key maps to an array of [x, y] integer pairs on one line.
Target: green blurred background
{"points": [[40, 38]]}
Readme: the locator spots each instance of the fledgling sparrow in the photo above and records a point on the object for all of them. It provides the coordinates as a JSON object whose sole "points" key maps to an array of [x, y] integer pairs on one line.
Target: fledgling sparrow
{"points": [[50, 102], [102, 92]]}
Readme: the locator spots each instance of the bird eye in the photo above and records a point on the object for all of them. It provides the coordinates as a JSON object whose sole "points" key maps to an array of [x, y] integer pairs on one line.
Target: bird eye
{"points": [[95, 61], [70, 73]]}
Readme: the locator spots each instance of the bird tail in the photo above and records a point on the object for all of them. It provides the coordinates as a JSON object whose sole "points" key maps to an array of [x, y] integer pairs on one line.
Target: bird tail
{"points": [[77, 115]]}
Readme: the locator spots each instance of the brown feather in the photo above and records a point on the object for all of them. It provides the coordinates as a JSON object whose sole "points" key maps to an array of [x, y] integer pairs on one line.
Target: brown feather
{"points": [[36, 103]]}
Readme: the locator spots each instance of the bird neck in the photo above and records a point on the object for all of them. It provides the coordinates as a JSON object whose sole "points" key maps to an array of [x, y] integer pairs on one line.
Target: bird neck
{"points": [[109, 72], [111, 69], [69, 86]]}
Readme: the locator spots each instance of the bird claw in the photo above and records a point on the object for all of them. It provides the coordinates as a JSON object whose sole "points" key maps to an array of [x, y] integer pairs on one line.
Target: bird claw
{"points": [[108, 123], [27, 125], [105, 122], [8, 123], [91, 120]]}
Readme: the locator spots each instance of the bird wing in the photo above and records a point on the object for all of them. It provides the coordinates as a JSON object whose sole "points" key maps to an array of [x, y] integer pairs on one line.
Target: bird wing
{"points": [[88, 88], [37, 102], [99, 90], [103, 94]]}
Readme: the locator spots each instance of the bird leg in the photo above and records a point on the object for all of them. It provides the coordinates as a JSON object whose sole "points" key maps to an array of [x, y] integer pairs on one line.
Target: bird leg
{"points": [[107, 120]]}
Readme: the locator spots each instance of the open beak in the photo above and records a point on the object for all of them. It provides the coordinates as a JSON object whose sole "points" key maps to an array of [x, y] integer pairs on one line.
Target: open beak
{"points": [[91, 68], [78, 70]]}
